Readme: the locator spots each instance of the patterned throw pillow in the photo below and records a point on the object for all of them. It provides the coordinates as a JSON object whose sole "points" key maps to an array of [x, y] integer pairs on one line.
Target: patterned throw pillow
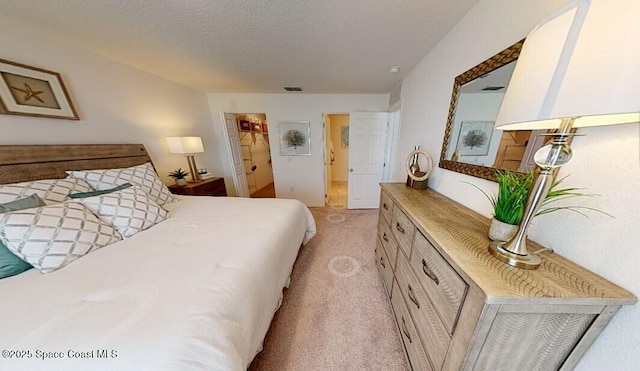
{"points": [[53, 236], [142, 175], [49, 190], [10, 264], [129, 210]]}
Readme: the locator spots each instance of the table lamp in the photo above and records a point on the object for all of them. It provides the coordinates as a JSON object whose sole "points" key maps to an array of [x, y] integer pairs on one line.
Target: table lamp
{"points": [[187, 146], [578, 68]]}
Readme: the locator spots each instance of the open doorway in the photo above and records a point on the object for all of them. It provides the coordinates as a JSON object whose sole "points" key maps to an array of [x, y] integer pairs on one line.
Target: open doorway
{"points": [[253, 136], [337, 143], [356, 150]]}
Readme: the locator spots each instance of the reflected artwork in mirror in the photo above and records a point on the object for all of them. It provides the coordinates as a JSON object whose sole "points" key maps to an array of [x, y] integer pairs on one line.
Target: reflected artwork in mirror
{"points": [[471, 144]]}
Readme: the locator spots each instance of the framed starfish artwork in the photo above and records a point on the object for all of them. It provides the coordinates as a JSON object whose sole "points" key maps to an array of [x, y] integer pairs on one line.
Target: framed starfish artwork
{"points": [[32, 91]]}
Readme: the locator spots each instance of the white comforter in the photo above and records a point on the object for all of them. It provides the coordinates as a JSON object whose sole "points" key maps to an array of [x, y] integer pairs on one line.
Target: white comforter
{"points": [[197, 291]]}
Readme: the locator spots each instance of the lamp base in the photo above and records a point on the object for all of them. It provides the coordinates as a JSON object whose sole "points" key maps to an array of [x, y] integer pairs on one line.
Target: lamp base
{"points": [[529, 261], [195, 176]]}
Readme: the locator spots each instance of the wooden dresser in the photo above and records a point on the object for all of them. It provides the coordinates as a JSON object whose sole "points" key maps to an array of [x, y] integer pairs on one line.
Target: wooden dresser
{"points": [[459, 308]]}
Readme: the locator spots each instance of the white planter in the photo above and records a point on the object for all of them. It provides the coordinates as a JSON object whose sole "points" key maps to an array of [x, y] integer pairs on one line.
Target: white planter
{"points": [[181, 182], [499, 231]]}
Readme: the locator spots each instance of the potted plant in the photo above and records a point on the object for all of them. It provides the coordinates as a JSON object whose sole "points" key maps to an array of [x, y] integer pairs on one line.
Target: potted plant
{"points": [[180, 176], [510, 200]]}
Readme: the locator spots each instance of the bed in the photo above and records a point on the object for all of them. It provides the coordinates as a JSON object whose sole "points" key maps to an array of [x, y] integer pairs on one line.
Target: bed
{"points": [[197, 290]]}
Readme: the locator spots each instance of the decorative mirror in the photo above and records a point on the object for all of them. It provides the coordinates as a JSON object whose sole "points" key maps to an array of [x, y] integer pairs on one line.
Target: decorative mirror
{"points": [[471, 144]]}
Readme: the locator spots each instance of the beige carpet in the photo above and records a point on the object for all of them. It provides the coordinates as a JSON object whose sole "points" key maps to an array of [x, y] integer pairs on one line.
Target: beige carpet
{"points": [[335, 315]]}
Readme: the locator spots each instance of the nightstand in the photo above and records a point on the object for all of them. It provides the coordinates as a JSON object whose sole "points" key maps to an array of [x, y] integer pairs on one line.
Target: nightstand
{"points": [[207, 187]]}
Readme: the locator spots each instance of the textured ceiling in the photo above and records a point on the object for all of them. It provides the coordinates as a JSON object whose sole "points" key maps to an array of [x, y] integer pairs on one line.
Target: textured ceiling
{"points": [[254, 46]]}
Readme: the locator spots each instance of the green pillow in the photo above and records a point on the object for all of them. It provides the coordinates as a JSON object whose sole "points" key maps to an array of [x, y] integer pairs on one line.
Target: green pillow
{"points": [[10, 265], [98, 193]]}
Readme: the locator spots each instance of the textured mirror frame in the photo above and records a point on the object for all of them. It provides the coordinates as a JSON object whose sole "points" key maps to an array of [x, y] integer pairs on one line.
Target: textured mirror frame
{"points": [[506, 56]]}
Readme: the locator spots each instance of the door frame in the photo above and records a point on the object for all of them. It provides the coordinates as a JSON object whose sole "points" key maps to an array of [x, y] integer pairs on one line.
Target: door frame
{"points": [[391, 146], [326, 140], [325, 144]]}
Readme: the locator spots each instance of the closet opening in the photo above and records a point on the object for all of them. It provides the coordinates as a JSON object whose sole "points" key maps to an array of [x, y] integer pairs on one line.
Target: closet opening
{"points": [[253, 135]]}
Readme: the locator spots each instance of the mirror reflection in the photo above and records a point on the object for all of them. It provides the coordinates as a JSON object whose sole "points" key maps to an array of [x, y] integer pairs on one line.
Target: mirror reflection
{"points": [[471, 144], [476, 140]]}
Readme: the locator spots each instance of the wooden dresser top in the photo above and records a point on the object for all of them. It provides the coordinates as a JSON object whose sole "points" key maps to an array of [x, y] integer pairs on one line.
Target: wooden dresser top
{"points": [[460, 234]]}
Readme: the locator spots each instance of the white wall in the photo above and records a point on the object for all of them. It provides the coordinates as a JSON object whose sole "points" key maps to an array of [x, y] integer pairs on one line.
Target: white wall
{"points": [[299, 177], [606, 161], [116, 103]]}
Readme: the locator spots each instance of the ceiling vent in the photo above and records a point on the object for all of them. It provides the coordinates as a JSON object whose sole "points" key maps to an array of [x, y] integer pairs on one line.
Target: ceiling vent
{"points": [[293, 88], [493, 88]]}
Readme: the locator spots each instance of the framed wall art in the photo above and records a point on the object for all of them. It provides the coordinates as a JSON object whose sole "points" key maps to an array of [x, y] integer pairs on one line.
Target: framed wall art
{"points": [[32, 91], [344, 137], [474, 138], [244, 125], [295, 138]]}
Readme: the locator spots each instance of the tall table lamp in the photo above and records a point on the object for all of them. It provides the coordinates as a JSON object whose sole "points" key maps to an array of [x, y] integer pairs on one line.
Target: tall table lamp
{"points": [[187, 146], [580, 67]]}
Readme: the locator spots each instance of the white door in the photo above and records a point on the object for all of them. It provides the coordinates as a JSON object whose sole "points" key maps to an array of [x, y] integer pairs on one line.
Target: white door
{"points": [[235, 156], [367, 134]]}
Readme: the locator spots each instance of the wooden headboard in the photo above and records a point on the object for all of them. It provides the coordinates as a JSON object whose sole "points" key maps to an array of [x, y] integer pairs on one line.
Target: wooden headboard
{"points": [[21, 163]]}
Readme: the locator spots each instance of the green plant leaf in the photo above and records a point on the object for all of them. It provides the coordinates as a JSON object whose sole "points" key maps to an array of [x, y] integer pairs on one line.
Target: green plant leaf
{"points": [[513, 191], [178, 174]]}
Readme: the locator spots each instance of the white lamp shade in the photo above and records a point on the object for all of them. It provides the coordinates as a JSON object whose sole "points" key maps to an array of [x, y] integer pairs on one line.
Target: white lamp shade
{"points": [[185, 145], [582, 62]]}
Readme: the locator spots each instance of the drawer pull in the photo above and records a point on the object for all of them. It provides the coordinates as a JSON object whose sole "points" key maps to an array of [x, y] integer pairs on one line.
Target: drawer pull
{"points": [[399, 228], [412, 297], [382, 262], [405, 331], [429, 273], [384, 237], [384, 206]]}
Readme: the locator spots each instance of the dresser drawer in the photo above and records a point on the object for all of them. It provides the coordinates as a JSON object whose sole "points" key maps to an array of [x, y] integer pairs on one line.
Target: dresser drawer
{"points": [[427, 323], [410, 338], [384, 267], [388, 242], [442, 284], [403, 230], [386, 207]]}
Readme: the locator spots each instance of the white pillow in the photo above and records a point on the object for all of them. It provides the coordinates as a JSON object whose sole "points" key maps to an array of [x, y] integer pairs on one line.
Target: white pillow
{"points": [[129, 210], [49, 190], [142, 175], [53, 236]]}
